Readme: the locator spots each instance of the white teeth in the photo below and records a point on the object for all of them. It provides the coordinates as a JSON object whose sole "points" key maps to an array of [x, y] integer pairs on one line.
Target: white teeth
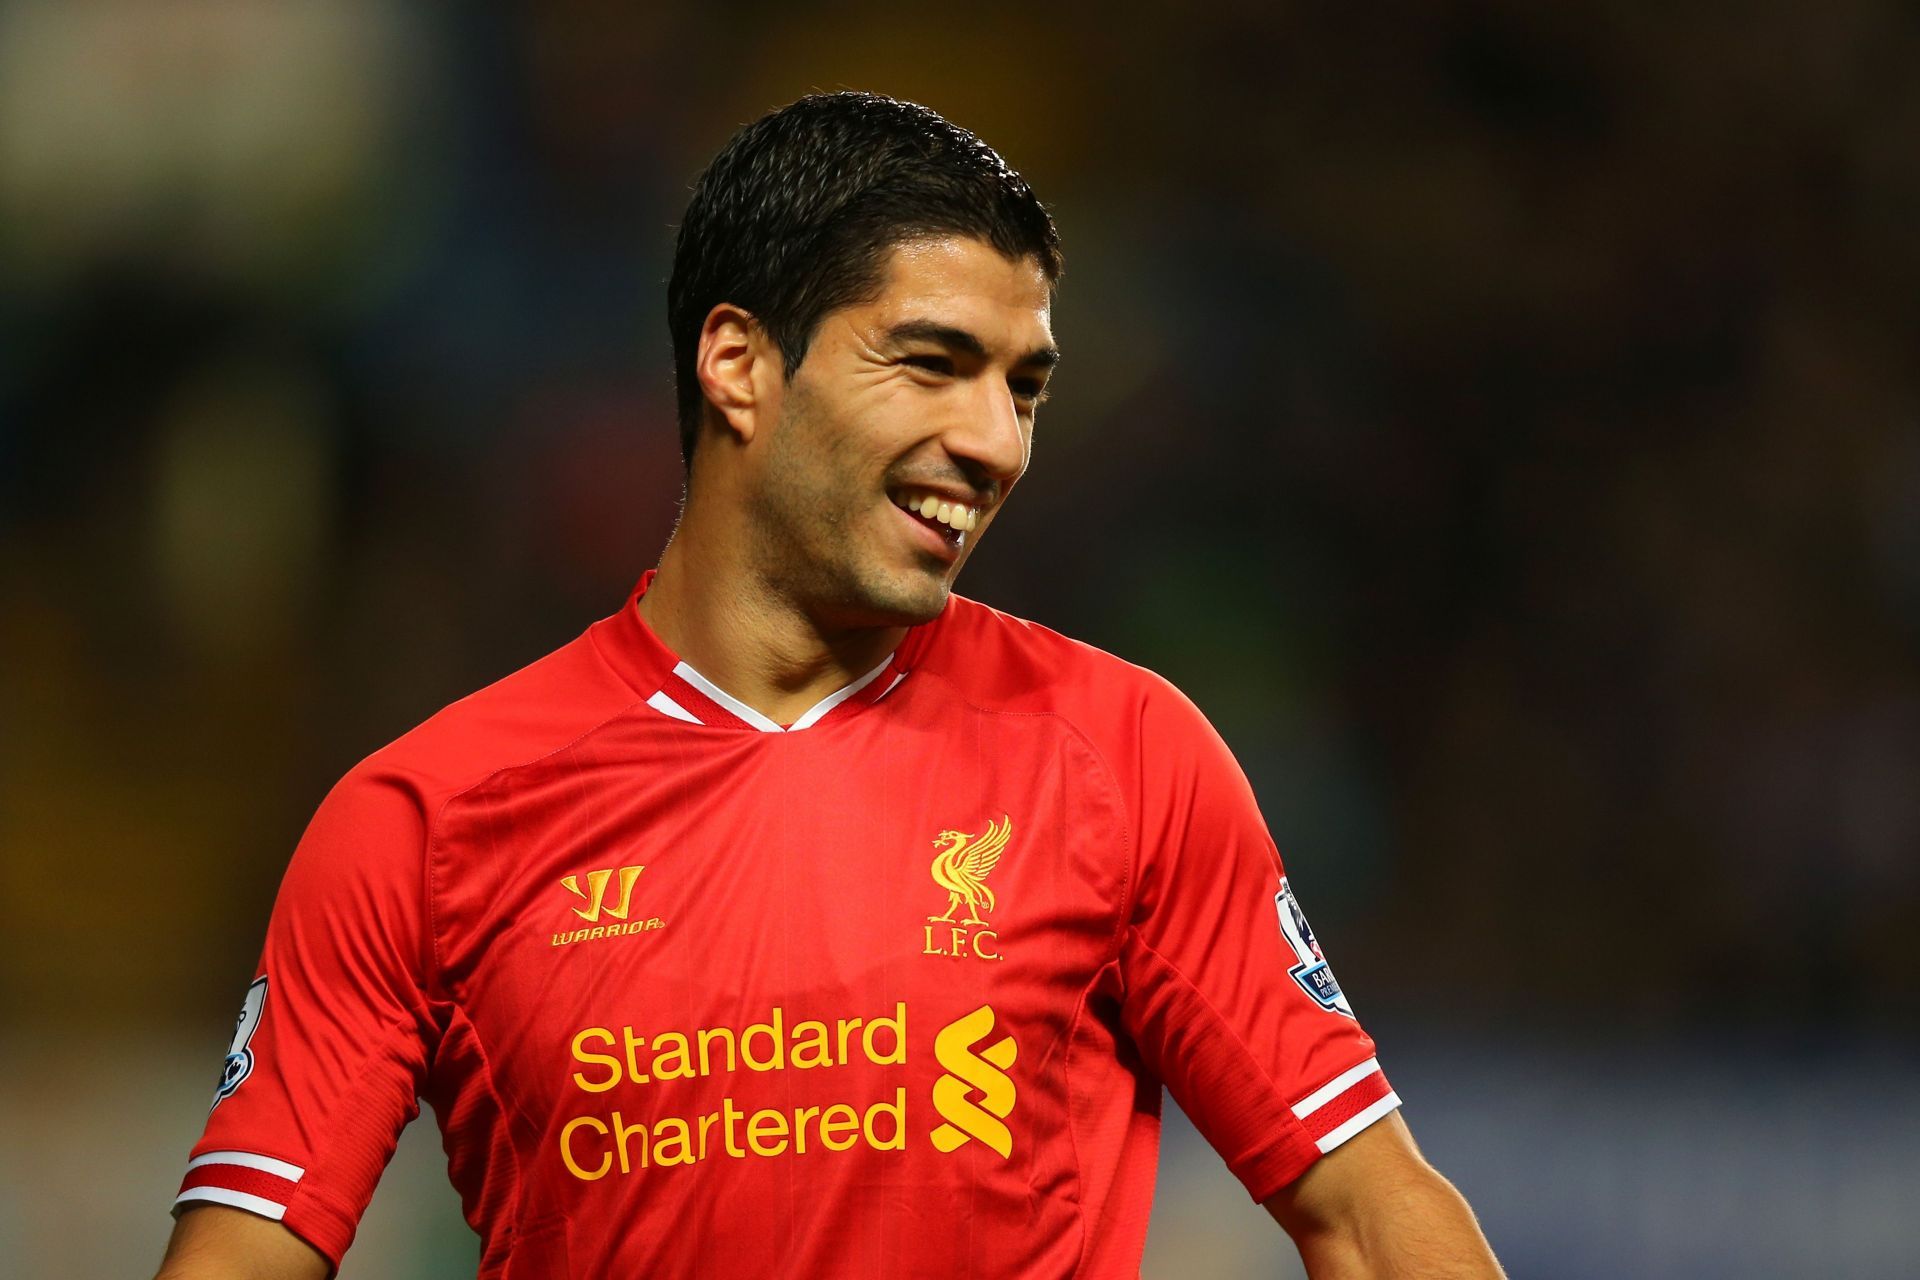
{"points": [[954, 515]]}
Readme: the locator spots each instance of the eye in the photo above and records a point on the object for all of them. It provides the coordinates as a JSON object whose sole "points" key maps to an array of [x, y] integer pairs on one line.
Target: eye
{"points": [[1029, 391], [931, 364]]}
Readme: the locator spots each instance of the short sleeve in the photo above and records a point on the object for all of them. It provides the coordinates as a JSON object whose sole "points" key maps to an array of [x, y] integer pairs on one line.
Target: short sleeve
{"points": [[1226, 991], [331, 1046]]}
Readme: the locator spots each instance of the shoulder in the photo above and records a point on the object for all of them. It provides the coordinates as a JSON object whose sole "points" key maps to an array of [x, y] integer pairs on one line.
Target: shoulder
{"points": [[1014, 661], [367, 841], [1000, 662], [520, 718], [1170, 766]]}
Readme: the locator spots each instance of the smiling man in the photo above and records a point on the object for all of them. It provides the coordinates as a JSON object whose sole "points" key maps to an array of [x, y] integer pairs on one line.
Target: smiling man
{"points": [[803, 918]]}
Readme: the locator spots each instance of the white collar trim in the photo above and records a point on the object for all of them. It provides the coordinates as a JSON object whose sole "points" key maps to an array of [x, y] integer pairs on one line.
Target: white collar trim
{"points": [[766, 724]]}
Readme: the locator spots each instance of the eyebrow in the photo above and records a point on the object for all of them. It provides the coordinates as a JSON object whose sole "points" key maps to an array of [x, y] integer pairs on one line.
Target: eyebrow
{"points": [[947, 335]]}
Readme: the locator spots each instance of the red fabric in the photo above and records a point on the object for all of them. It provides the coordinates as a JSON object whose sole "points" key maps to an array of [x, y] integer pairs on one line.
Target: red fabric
{"points": [[234, 1177], [1357, 1097], [444, 930], [695, 703]]}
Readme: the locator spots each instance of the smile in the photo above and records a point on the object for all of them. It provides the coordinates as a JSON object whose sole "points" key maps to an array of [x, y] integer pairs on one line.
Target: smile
{"points": [[955, 515]]}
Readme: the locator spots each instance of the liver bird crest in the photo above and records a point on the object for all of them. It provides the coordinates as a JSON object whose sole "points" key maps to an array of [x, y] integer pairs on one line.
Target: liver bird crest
{"points": [[962, 865]]}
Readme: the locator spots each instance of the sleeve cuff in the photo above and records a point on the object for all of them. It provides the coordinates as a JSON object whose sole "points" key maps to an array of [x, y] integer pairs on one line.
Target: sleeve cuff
{"points": [[241, 1179], [268, 1187], [1324, 1119], [1345, 1105]]}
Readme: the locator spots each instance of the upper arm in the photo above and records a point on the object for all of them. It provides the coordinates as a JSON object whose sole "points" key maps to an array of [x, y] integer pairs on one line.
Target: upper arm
{"points": [[213, 1242], [1227, 993], [332, 1046]]}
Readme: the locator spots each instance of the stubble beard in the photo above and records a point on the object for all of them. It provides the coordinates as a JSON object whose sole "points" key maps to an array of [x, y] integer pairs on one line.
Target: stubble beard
{"points": [[818, 532]]}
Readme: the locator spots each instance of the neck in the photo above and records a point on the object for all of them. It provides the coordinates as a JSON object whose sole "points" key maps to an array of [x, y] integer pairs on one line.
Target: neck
{"points": [[760, 645]]}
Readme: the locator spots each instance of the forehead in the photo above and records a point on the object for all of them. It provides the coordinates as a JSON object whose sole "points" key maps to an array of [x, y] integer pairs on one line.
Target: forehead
{"points": [[967, 284]]}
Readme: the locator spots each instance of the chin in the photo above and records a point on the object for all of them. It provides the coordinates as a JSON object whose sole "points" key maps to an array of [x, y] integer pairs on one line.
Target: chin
{"points": [[901, 602]]}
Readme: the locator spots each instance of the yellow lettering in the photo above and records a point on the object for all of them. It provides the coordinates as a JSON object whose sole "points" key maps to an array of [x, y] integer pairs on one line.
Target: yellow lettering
{"points": [[670, 1134], [777, 1058], [728, 1114], [930, 949], [598, 931], [671, 1057], [898, 1110], [838, 1119], [621, 1132], [606, 1057], [566, 1149], [596, 1059], [633, 1043], [707, 1037], [896, 1024], [762, 1125], [800, 1119], [985, 955], [846, 1028], [811, 1038], [959, 936]]}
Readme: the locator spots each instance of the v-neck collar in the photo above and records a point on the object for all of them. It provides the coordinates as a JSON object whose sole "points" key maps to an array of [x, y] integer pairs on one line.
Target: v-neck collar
{"points": [[674, 689]]}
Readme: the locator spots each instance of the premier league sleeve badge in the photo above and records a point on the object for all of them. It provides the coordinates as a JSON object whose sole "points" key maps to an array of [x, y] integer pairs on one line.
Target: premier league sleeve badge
{"points": [[239, 1061], [1312, 972]]}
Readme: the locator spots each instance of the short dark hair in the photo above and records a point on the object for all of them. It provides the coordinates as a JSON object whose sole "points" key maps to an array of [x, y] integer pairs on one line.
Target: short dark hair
{"points": [[795, 217]]}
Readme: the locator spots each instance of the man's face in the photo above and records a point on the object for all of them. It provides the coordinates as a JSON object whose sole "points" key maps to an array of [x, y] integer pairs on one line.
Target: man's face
{"points": [[925, 395]]}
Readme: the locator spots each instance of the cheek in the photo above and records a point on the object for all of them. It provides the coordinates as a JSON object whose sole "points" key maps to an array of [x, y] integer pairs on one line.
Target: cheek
{"points": [[835, 456], [859, 434]]}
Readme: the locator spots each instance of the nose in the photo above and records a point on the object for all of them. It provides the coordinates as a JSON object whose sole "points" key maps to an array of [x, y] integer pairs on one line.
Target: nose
{"points": [[991, 441]]}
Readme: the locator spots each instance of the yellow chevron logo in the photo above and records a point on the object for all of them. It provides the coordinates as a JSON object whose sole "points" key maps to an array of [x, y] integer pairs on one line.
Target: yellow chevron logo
{"points": [[976, 1094]]}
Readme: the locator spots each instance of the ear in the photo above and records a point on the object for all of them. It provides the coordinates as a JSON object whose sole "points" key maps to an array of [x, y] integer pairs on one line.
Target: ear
{"points": [[739, 369]]}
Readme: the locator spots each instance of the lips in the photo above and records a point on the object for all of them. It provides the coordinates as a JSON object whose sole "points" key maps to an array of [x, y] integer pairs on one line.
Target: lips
{"points": [[941, 540], [941, 520]]}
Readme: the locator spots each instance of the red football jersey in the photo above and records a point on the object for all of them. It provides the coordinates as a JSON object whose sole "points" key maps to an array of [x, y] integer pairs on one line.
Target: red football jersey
{"points": [[886, 992]]}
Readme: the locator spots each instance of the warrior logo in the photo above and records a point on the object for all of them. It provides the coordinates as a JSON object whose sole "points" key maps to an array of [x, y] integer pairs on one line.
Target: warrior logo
{"points": [[239, 1063], [1312, 973], [595, 894], [970, 1072]]}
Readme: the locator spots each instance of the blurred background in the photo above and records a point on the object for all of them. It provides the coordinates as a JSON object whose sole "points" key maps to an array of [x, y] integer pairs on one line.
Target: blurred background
{"points": [[1515, 414]]}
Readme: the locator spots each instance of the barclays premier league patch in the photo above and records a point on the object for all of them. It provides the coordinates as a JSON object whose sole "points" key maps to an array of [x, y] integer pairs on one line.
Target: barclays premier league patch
{"points": [[239, 1062], [1312, 973]]}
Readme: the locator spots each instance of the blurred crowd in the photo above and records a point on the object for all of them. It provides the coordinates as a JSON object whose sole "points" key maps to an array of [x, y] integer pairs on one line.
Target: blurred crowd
{"points": [[1503, 420]]}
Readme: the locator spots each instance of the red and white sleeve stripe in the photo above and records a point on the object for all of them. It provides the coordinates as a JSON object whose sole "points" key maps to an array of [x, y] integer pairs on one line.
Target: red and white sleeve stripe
{"points": [[258, 1184], [1345, 1105]]}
